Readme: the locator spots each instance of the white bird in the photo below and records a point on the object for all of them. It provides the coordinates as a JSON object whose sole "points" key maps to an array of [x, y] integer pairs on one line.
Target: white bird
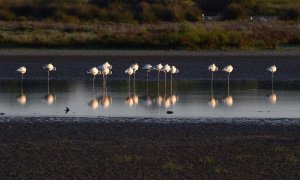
{"points": [[213, 68], [173, 70], [228, 69], [105, 71], [22, 71], [93, 71], [105, 65], [272, 69], [129, 71], [158, 67], [49, 68], [166, 69], [134, 67], [148, 68]]}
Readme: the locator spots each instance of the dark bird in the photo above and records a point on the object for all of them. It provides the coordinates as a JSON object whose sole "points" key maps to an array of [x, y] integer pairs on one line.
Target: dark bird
{"points": [[67, 110], [2, 114], [170, 112]]}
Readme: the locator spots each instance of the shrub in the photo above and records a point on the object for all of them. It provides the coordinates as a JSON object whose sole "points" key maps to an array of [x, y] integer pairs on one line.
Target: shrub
{"points": [[291, 14], [235, 12]]}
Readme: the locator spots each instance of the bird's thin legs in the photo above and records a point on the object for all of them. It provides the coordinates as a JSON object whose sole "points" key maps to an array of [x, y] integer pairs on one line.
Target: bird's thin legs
{"points": [[272, 82], [147, 83], [128, 85], [228, 84], [165, 83], [94, 84], [158, 83], [48, 81], [171, 83]]}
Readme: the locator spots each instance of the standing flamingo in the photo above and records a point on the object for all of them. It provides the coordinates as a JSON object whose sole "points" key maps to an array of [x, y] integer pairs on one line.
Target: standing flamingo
{"points": [[158, 67], [93, 71], [272, 69], [129, 71], [174, 70], [22, 71], [105, 69], [213, 68], [49, 68], [148, 68], [228, 69], [166, 69]]}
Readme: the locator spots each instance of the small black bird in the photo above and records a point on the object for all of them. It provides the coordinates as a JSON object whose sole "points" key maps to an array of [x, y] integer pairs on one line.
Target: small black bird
{"points": [[2, 114], [67, 110], [170, 112]]}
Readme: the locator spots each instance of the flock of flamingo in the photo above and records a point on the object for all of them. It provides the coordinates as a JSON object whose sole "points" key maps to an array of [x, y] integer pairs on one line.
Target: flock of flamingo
{"points": [[106, 69]]}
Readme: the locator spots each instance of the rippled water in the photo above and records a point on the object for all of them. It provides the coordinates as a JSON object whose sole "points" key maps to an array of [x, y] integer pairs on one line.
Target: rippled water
{"points": [[188, 99]]}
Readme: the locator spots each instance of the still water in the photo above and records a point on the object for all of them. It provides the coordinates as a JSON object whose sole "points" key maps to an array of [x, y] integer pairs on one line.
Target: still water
{"points": [[189, 99]]}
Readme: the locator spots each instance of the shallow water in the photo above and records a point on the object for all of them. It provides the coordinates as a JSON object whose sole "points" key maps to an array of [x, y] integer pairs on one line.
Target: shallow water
{"points": [[188, 99]]}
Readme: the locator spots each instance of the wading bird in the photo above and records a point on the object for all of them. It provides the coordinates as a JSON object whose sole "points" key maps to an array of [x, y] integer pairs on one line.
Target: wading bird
{"points": [[228, 69], [173, 70], [158, 67], [147, 68], [166, 69], [93, 71], [129, 71], [105, 69], [22, 71], [134, 67], [49, 68], [213, 68], [105, 72], [272, 69]]}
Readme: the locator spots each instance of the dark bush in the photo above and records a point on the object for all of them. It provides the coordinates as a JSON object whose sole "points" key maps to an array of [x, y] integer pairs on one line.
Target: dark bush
{"points": [[291, 14], [235, 12]]}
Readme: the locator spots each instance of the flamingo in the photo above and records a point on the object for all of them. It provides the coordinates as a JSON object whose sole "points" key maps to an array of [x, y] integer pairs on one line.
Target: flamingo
{"points": [[158, 67], [213, 68], [105, 65], [22, 71], [272, 69], [49, 68], [166, 69], [228, 69], [105, 71], [93, 71], [148, 68], [134, 67], [173, 70], [129, 71]]}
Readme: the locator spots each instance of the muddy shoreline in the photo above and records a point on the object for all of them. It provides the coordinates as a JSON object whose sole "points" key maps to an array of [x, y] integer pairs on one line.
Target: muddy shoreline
{"points": [[149, 150]]}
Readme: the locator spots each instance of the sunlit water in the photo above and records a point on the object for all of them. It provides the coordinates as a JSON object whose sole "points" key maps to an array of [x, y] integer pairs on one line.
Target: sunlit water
{"points": [[188, 99]]}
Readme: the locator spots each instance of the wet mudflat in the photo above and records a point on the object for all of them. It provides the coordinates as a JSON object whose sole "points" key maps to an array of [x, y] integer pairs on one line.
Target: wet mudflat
{"points": [[139, 150]]}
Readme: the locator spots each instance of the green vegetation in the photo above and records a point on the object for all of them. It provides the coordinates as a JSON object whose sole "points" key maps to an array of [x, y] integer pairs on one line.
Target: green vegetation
{"points": [[151, 24], [209, 35], [142, 11]]}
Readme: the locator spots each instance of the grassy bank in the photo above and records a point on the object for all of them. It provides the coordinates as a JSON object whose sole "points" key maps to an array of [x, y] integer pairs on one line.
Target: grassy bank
{"points": [[208, 35]]}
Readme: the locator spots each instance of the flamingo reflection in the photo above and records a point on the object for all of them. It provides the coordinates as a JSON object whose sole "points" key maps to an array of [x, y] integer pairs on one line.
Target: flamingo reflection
{"points": [[22, 97], [105, 100], [228, 100], [212, 102]]}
